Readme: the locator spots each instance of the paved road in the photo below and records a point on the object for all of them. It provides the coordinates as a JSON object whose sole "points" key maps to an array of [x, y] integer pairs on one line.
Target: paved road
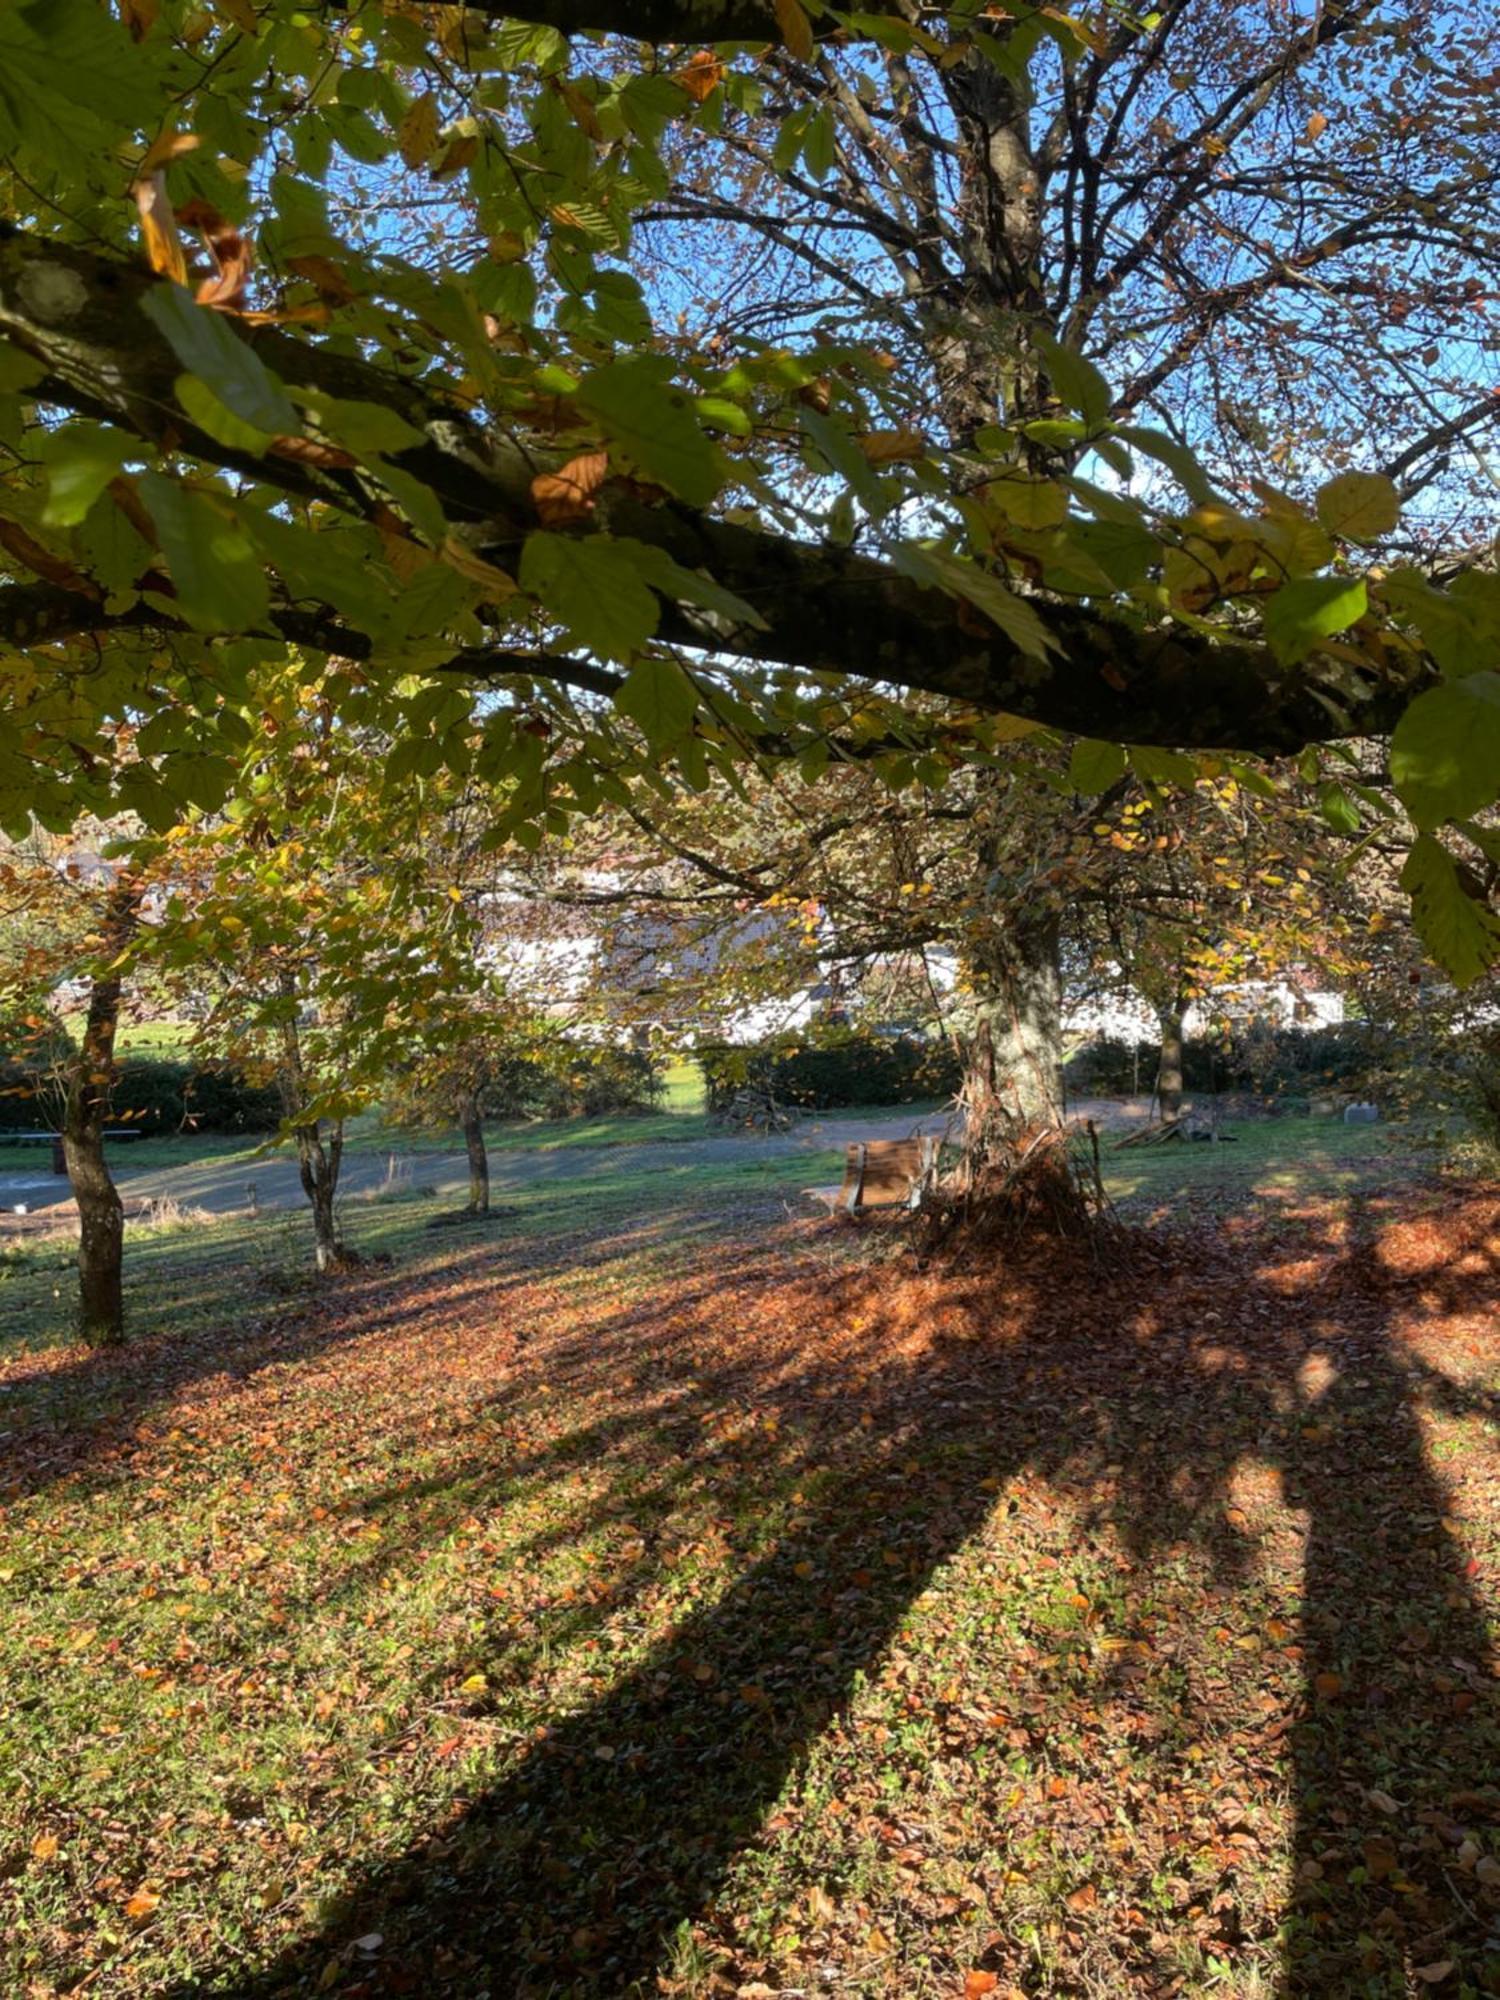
{"points": [[223, 1187]]}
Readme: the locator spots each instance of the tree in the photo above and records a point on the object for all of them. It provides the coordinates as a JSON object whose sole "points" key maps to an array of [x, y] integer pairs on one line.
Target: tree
{"points": [[315, 919], [472, 456], [66, 928]]}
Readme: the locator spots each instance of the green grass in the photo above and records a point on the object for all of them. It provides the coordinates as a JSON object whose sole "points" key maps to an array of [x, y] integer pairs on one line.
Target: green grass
{"points": [[698, 1609]]}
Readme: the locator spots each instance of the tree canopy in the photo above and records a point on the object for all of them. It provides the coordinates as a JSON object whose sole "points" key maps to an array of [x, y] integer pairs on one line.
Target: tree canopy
{"points": [[1078, 379]]}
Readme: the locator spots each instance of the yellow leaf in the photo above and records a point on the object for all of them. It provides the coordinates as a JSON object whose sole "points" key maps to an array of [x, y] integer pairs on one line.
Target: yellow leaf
{"points": [[159, 227], [458, 555], [891, 447], [142, 1903], [475, 1684], [796, 29], [170, 146], [417, 134], [44, 1847]]}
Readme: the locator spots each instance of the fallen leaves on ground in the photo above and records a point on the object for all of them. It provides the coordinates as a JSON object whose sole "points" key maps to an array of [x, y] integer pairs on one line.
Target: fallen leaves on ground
{"points": [[1037, 1631]]}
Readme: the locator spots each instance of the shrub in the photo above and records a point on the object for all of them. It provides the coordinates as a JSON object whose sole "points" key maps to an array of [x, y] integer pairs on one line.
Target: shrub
{"points": [[150, 1093], [1274, 1062], [836, 1067], [572, 1080]]}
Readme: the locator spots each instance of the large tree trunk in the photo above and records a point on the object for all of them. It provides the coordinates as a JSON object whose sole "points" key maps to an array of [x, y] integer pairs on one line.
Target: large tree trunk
{"points": [[1013, 1063], [479, 1161], [1169, 1071], [101, 1217]]}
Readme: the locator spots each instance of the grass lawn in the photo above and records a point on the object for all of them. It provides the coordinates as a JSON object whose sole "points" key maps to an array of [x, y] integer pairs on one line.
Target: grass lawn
{"points": [[649, 1593]]}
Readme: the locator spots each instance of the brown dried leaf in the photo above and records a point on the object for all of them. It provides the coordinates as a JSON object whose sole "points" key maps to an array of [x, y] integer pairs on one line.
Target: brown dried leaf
{"points": [[332, 285], [159, 227], [459, 155], [700, 76], [567, 496], [310, 451]]}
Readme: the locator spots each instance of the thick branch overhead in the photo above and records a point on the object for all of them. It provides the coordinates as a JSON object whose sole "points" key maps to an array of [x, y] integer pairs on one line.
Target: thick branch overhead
{"points": [[823, 608]]}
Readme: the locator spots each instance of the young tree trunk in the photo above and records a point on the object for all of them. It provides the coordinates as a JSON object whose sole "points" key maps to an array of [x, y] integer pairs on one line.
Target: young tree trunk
{"points": [[101, 1217], [479, 1160], [318, 1166], [1014, 1060], [1169, 1072], [317, 1163]]}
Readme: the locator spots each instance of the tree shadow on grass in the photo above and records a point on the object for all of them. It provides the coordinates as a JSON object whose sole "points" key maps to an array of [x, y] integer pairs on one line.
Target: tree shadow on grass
{"points": [[1148, 1398]]}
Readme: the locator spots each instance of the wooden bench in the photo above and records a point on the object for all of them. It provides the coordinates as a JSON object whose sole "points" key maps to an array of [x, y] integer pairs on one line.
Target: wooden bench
{"points": [[881, 1173]]}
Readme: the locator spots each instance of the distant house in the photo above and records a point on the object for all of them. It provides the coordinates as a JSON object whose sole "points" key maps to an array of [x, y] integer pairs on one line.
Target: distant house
{"points": [[1290, 1002]]}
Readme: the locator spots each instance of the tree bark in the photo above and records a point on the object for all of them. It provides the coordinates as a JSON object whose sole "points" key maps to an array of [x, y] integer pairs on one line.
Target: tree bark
{"points": [[1014, 1059], [479, 1162], [1169, 1071], [101, 1217], [318, 1167], [318, 1162]]}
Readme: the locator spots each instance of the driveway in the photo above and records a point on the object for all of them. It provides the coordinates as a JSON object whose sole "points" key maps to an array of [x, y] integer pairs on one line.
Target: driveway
{"points": [[33, 1201]]}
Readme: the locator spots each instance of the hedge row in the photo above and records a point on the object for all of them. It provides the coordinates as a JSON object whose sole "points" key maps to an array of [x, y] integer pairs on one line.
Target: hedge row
{"points": [[838, 1067], [154, 1095], [1271, 1061], [577, 1081]]}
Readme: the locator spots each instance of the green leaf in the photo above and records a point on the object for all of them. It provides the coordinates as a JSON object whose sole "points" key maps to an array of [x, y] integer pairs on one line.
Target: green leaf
{"points": [[1122, 549], [1339, 809], [80, 460], [658, 696], [650, 103], [1358, 506], [819, 145], [1014, 616], [1094, 766], [1445, 753], [593, 588], [204, 409], [366, 429], [203, 342], [686, 586], [1077, 381], [1162, 767], [1176, 457], [1462, 934], [115, 553], [1312, 608], [651, 423], [18, 371], [416, 500], [219, 577]]}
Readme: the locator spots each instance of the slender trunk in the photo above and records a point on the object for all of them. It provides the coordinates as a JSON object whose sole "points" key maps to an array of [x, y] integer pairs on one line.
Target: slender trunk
{"points": [[101, 1217], [318, 1167], [479, 1161], [318, 1161], [1014, 1060], [1169, 1072]]}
